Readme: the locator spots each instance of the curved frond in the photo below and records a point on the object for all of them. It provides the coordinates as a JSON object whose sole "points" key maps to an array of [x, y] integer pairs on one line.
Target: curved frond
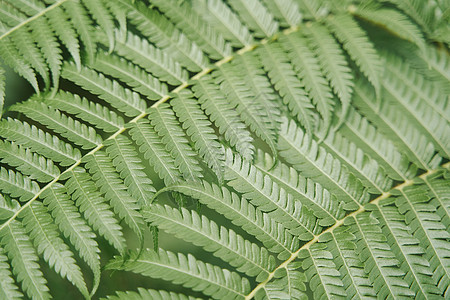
{"points": [[186, 270], [286, 11], [17, 185]]}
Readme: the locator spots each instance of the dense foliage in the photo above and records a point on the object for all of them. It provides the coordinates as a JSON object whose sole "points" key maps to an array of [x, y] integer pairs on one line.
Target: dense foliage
{"points": [[226, 149]]}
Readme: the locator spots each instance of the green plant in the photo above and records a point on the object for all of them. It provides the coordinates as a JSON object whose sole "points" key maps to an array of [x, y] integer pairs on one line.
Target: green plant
{"points": [[304, 143]]}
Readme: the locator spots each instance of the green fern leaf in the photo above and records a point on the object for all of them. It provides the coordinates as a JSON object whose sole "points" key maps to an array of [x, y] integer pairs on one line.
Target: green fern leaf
{"points": [[164, 35], [2, 90], [198, 127], [145, 136], [225, 21], [127, 163], [286, 82], [94, 207], [270, 198], [242, 213], [168, 128], [16, 61], [395, 21], [74, 228], [215, 104], [358, 129], [17, 185], [358, 47], [314, 161], [252, 113], [395, 124], [286, 11], [101, 15], [39, 225], [94, 113], [145, 55], [8, 288], [307, 68], [110, 184], [321, 271], [195, 28], [186, 270], [333, 64], [79, 16], [379, 260], [72, 129], [111, 91], [29, 163], [24, 261], [132, 75], [143, 294], [324, 205], [257, 17], [245, 256], [59, 21]]}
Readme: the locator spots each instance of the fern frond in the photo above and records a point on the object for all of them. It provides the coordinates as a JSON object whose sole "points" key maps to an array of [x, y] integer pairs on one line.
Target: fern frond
{"points": [[312, 9], [115, 191], [187, 271], [65, 31], [195, 28], [307, 68], [127, 163], [131, 74], [257, 17], [321, 271], [419, 274], [94, 113], [371, 174], [427, 120], [12, 58], [143, 294], [27, 48], [125, 100], [270, 198], [84, 28], [73, 226], [220, 16], [39, 141], [11, 16], [2, 89], [286, 11], [440, 195], [164, 35], [286, 82], [94, 208], [313, 160], [323, 204], [242, 213], [245, 256], [251, 111], [101, 15], [49, 46], [358, 46], [379, 260], [395, 22], [172, 136], [426, 226], [358, 129], [40, 227], [153, 60], [75, 131], [145, 136], [288, 283], [395, 124], [8, 207], [198, 127], [8, 288], [333, 63], [29, 163], [255, 77], [17, 185], [215, 104], [341, 244], [24, 260]]}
